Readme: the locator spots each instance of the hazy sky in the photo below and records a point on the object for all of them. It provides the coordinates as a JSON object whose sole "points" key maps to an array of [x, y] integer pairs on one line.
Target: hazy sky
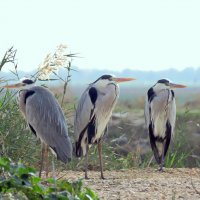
{"points": [[114, 34]]}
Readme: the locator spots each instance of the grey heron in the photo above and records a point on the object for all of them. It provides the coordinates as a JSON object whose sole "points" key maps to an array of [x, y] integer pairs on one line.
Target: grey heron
{"points": [[45, 119], [93, 113], [160, 116]]}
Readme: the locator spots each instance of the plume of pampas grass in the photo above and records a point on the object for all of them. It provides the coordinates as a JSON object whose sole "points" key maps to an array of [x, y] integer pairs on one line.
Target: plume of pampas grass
{"points": [[53, 62]]}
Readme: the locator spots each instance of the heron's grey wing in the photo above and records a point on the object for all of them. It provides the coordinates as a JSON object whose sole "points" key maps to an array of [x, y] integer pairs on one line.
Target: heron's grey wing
{"points": [[172, 113], [83, 118], [92, 114], [103, 101], [149, 124], [44, 114], [84, 113], [146, 112], [153, 143], [150, 97], [171, 121]]}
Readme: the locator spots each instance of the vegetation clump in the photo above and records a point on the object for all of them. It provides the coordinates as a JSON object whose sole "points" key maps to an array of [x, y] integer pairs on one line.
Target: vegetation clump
{"points": [[21, 182]]}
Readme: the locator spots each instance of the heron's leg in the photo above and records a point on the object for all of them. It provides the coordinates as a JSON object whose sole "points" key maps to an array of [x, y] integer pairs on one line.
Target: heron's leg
{"points": [[42, 160], [46, 152], [162, 159], [100, 158], [53, 169], [86, 162]]}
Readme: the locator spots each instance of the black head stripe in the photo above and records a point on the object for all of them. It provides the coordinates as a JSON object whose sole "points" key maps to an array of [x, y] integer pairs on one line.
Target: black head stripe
{"points": [[165, 81], [27, 81], [104, 77]]}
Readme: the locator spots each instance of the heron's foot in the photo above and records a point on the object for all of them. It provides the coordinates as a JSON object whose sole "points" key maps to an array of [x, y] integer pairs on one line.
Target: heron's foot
{"points": [[102, 177], [161, 169], [86, 175], [47, 175], [43, 174]]}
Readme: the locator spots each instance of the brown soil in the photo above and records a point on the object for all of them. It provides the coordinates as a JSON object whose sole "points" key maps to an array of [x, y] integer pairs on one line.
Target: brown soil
{"points": [[139, 184]]}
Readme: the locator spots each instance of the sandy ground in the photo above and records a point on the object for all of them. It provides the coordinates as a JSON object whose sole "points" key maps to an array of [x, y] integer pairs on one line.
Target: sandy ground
{"points": [[148, 184]]}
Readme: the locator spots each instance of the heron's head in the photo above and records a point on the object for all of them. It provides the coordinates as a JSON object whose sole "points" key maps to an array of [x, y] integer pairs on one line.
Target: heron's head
{"points": [[104, 80], [163, 84], [24, 83]]}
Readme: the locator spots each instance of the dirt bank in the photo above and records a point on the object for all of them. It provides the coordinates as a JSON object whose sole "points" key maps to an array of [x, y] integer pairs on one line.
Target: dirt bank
{"points": [[148, 184]]}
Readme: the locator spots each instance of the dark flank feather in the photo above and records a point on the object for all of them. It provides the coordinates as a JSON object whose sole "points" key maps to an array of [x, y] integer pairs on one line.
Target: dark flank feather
{"points": [[151, 94], [173, 95], [91, 130], [154, 139], [93, 95], [153, 144], [32, 129], [167, 137]]}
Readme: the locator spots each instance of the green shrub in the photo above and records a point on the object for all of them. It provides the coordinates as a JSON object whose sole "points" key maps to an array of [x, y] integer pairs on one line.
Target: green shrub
{"points": [[180, 148], [21, 182]]}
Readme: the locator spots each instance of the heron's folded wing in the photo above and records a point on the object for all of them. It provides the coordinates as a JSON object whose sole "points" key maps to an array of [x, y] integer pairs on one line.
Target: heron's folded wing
{"points": [[172, 114], [44, 114], [84, 113], [94, 103], [147, 113]]}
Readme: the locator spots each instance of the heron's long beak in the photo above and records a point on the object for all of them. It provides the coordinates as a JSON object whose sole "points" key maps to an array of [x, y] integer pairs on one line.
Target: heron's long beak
{"points": [[119, 80], [173, 85], [17, 85]]}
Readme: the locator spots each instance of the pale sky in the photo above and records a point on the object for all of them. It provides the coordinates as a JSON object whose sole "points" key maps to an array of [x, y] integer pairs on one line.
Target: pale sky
{"points": [[108, 34]]}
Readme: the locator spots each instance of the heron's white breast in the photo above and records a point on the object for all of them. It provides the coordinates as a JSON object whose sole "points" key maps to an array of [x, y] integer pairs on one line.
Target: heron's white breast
{"points": [[160, 125], [160, 112], [101, 122], [105, 107]]}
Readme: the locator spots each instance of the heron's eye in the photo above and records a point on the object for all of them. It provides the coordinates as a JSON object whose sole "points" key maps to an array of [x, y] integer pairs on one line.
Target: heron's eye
{"points": [[167, 83]]}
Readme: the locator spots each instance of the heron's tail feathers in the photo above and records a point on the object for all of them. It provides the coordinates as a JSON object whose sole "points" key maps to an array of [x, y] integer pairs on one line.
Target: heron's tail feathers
{"points": [[81, 149], [64, 150]]}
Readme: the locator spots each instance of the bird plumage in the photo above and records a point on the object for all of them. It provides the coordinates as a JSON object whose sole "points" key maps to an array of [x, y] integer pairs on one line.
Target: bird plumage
{"points": [[46, 120], [160, 117], [93, 113]]}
